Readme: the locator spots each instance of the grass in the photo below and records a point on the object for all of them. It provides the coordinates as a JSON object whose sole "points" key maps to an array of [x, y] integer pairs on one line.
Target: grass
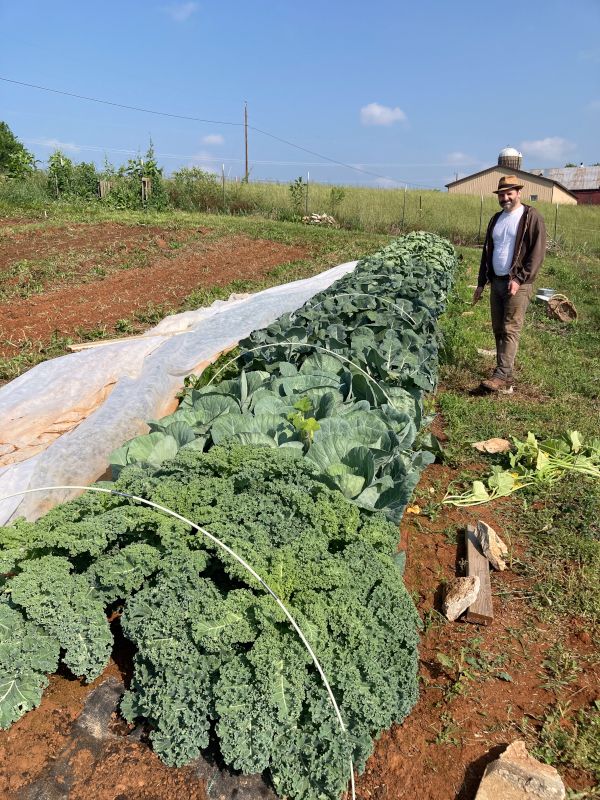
{"points": [[558, 377], [556, 530], [571, 738]]}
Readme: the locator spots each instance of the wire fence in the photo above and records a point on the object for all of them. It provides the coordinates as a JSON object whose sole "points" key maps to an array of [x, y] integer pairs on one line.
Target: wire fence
{"points": [[461, 218]]}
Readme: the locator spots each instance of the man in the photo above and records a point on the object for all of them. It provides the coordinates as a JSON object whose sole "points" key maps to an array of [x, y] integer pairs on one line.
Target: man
{"points": [[514, 248]]}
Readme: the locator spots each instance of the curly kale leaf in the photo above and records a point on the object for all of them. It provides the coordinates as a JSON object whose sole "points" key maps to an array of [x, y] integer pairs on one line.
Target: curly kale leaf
{"points": [[63, 605], [171, 686], [119, 574], [311, 760], [26, 655], [259, 695]]}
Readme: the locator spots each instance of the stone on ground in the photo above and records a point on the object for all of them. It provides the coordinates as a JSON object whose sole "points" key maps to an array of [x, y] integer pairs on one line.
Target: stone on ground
{"points": [[460, 594], [517, 775], [492, 546]]}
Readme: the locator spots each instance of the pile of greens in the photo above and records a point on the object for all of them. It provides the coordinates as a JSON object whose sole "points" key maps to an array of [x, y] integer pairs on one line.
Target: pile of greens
{"points": [[213, 651], [300, 463], [534, 463]]}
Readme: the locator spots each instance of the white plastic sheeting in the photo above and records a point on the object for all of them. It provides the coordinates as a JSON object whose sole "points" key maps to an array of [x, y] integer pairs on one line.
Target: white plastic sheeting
{"points": [[60, 421]]}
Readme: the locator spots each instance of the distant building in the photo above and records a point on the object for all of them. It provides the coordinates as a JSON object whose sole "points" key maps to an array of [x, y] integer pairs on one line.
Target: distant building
{"points": [[536, 187], [583, 182]]}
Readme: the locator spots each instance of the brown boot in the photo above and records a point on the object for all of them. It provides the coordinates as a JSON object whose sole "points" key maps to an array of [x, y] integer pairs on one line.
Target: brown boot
{"points": [[497, 385]]}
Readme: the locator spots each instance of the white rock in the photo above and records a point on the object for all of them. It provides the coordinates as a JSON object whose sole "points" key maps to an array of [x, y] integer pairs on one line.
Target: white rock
{"points": [[492, 546], [494, 445], [517, 775], [460, 594]]}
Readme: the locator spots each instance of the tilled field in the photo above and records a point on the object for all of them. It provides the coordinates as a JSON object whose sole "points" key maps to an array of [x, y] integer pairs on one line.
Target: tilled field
{"points": [[66, 281]]}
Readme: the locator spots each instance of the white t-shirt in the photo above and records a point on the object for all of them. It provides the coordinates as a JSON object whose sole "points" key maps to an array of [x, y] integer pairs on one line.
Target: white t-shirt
{"points": [[504, 236]]}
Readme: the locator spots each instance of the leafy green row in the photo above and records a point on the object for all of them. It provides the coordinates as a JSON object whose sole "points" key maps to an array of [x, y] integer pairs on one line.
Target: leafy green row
{"points": [[213, 651], [322, 410], [288, 439], [337, 391], [382, 316]]}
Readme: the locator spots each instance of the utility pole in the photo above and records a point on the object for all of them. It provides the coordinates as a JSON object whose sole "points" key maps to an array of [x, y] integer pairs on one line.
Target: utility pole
{"points": [[246, 177]]}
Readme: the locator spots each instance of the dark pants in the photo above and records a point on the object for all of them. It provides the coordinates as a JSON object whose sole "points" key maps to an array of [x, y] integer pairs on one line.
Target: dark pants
{"points": [[508, 316]]}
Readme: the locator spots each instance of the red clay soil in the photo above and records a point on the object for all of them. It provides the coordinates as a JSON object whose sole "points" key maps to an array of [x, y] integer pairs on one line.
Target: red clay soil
{"points": [[443, 747], [168, 278], [79, 237], [440, 751]]}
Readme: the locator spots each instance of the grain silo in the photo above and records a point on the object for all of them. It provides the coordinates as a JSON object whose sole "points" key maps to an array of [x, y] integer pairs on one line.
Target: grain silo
{"points": [[510, 158]]}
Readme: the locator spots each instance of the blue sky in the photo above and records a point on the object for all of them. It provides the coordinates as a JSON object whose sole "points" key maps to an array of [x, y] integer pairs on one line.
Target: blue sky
{"points": [[413, 94]]}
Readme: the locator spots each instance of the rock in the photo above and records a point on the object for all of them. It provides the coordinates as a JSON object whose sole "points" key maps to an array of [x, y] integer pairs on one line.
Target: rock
{"points": [[517, 775], [492, 546], [492, 446], [460, 594], [319, 219]]}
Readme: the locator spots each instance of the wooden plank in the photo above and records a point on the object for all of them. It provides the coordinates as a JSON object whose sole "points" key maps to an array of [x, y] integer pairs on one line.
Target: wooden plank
{"points": [[482, 610]]}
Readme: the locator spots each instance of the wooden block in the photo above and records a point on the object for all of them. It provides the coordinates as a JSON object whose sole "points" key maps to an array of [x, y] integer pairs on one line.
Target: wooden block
{"points": [[481, 611]]}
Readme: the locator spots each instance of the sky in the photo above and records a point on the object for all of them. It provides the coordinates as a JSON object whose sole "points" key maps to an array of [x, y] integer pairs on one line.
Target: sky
{"points": [[400, 93]]}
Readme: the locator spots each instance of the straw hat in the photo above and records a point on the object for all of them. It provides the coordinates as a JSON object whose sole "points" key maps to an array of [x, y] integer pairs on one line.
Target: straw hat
{"points": [[508, 182]]}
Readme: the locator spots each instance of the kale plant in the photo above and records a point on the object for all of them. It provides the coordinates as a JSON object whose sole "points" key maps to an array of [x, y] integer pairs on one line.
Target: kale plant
{"points": [[215, 656]]}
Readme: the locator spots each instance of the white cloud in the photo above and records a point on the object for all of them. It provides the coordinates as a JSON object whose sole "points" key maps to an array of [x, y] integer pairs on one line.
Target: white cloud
{"points": [[213, 138], [55, 144], [551, 148], [181, 12], [376, 114]]}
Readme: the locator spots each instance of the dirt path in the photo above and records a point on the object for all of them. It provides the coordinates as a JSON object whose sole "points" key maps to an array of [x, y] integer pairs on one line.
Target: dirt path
{"points": [[165, 281]]}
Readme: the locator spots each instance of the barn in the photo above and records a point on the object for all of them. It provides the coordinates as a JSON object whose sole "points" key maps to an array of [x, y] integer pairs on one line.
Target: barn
{"points": [[583, 182], [535, 187]]}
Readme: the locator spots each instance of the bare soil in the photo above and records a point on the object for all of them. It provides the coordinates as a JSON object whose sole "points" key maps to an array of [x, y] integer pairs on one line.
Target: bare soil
{"points": [[165, 280], [82, 239]]}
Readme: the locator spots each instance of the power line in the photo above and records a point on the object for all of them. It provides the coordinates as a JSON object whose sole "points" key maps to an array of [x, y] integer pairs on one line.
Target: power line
{"points": [[209, 121], [218, 159], [120, 105], [332, 160]]}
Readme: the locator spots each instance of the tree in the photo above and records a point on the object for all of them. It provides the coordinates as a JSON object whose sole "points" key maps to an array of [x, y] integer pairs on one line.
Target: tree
{"points": [[15, 160]]}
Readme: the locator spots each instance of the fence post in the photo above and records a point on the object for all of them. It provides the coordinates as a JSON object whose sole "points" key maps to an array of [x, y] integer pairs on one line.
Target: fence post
{"points": [[404, 205], [306, 202], [223, 184], [480, 220]]}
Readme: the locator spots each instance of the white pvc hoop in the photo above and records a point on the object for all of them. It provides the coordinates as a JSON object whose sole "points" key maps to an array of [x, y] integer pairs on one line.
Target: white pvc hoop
{"points": [[315, 347], [238, 558]]}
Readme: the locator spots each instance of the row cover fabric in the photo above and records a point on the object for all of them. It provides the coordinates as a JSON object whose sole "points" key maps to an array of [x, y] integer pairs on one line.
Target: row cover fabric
{"points": [[102, 397]]}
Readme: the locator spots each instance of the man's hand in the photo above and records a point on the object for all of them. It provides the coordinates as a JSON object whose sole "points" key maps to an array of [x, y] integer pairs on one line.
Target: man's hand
{"points": [[513, 288], [477, 294]]}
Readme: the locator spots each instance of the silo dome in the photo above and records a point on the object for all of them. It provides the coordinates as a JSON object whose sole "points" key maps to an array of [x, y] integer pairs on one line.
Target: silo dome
{"points": [[510, 158]]}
